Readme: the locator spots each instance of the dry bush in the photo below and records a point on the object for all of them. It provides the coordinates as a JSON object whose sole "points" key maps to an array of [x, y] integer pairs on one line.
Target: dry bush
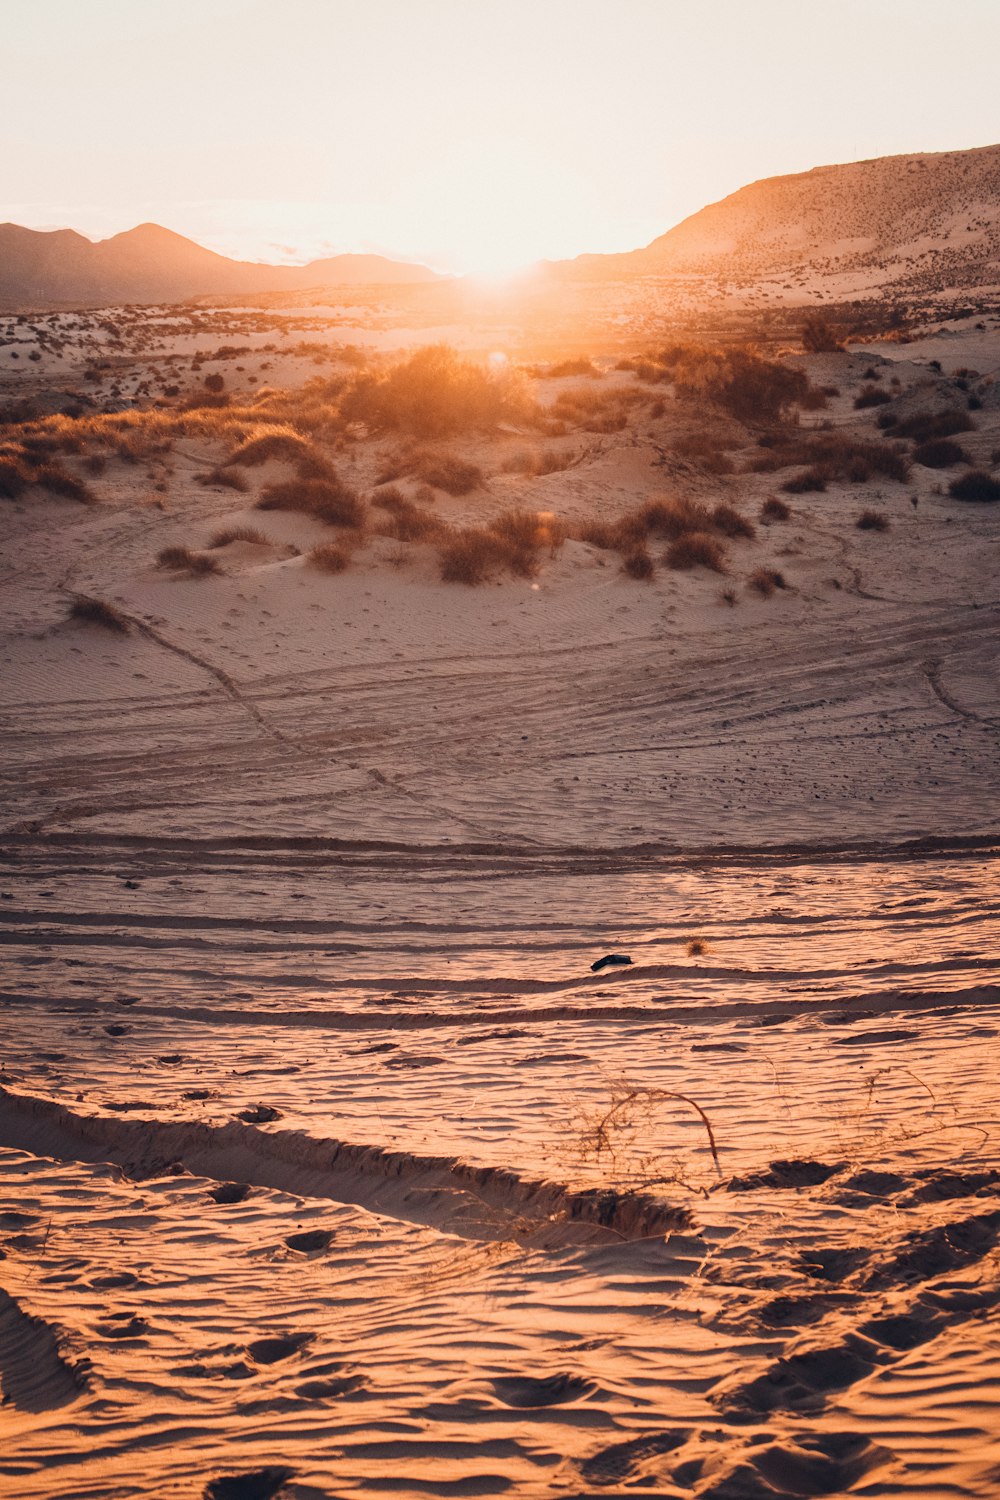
{"points": [[774, 509], [696, 549], [406, 521], [279, 443], [940, 453], [239, 534], [924, 425], [433, 393], [183, 560], [228, 478], [582, 366], [326, 500], [537, 464], [819, 336], [977, 485], [871, 396], [512, 542], [98, 612], [331, 557], [639, 564], [14, 477], [58, 481], [765, 581], [832, 456], [730, 522], [813, 479], [443, 471], [704, 450], [872, 520], [472, 555], [594, 411]]}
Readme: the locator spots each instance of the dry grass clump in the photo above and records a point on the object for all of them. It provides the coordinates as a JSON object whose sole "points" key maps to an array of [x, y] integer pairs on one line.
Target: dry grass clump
{"points": [[325, 500], [924, 425], [98, 612], [583, 366], [14, 476], [406, 521], [58, 481], [819, 336], [774, 509], [765, 580], [830, 457], [229, 478], [702, 449], [443, 471], [871, 396], [513, 542], [639, 564], [434, 393], [183, 560], [696, 549], [872, 520], [331, 557], [977, 485], [730, 522], [940, 453], [279, 443], [537, 464], [239, 534]]}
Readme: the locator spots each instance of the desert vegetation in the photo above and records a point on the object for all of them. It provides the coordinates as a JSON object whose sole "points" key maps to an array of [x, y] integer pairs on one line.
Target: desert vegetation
{"points": [[977, 485], [98, 612], [180, 559]]}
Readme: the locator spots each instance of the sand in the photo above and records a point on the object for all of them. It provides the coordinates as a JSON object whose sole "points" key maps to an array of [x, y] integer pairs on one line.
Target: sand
{"points": [[329, 1166]]}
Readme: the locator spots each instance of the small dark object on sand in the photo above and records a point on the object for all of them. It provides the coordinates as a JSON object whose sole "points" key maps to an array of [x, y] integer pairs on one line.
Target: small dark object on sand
{"points": [[259, 1484], [131, 885], [259, 1114], [608, 959]]}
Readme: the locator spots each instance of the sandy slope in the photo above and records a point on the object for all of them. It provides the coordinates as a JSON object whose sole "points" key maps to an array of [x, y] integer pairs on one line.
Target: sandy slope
{"points": [[328, 1163]]}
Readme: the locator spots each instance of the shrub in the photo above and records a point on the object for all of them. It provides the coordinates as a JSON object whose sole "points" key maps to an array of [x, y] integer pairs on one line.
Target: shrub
{"points": [[924, 425], [976, 485], [214, 383], [58, 481], [98, 612], [571, 367], [405, 521], [872, 520], [280, 443], [14, 478], [940, 453], [472, 556], [228, 478], [434, 394], [332, 557], [325, 499], [525, 534], [765, 581], [443, 471], [871, 396], [638, 564], [810, 480], [696, 549], [239, 534], [774, 509], [728, 520], [183, 560], [818, 336]]}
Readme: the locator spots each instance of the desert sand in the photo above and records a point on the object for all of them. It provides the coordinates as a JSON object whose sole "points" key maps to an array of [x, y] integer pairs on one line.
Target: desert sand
{"points": [[329, 1167]]}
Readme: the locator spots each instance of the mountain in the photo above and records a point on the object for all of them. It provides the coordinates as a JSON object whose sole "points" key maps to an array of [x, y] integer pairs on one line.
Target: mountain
{"points": [[895, 218], [152, 264]]}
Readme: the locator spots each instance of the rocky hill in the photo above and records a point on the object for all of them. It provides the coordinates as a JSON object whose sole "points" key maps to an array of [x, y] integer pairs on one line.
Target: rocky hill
{"points": [[152, 264], [927, 219]]}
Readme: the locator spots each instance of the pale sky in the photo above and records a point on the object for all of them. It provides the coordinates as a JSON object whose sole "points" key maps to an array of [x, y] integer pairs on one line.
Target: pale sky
{"points": [[471, 134]]}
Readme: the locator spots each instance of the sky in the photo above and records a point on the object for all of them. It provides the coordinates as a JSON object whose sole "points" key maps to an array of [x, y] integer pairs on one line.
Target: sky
{"points": [[473, 135]]}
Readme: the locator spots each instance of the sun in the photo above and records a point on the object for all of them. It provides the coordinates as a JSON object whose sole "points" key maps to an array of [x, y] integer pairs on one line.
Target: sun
{"points": [[494, 206]]}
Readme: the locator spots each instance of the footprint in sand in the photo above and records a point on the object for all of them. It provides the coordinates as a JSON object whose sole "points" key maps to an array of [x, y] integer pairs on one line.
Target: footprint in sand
{"points": [[526, 1391], [309, 1241], [257, 1484], [259, 1114], [230, 1192], [121, 1327], [269, 1351]]}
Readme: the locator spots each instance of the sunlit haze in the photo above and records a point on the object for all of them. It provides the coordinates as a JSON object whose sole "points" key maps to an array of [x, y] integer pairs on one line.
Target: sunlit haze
{"points": [[473, 136]]}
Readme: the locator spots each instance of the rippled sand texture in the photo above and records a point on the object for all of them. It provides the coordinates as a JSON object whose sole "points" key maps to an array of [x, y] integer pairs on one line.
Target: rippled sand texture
{"points": [[329, 1169]]}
